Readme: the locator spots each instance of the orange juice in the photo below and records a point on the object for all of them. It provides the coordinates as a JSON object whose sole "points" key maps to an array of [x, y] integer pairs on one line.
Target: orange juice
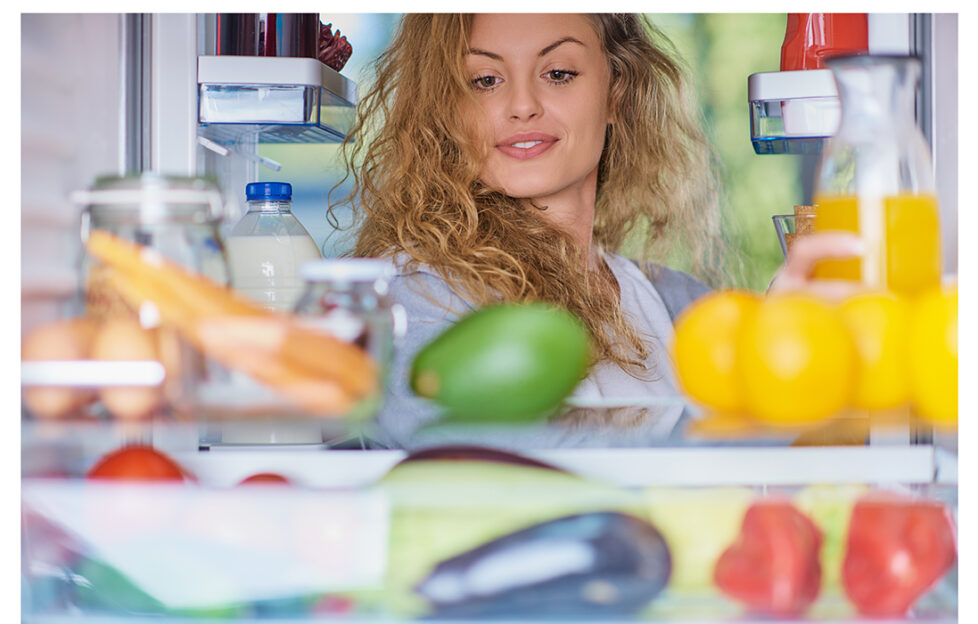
{"points": [[913, 243], [838, 212], [912, 240]]}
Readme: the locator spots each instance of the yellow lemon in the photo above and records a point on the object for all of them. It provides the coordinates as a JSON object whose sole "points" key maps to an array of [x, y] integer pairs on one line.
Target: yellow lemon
{"points": [[796, 361], [878, 323], [705, 344], [934, 356]]}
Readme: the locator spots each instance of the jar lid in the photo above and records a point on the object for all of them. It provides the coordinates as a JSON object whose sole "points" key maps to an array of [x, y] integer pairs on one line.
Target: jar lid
{"points": [[347, 269], [151, 197], [275, 191]]}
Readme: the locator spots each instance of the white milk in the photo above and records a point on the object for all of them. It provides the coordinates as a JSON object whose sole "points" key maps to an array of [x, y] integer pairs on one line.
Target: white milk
{"points": [[266, 267]]}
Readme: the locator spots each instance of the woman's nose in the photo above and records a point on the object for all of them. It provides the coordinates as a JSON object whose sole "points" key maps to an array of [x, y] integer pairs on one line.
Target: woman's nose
{"points": [[524, 103]]}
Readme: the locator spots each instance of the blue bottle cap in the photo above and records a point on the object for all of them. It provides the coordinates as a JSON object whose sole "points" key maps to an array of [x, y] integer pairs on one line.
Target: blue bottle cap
{"points": [[275, 191]]}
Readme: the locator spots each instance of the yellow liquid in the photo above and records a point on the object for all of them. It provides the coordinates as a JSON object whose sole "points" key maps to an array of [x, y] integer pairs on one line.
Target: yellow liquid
{"points": [[838, 213], [912, 240]]}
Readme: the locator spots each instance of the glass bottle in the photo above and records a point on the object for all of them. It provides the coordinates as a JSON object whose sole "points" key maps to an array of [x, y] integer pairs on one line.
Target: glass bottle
{"points": [[875, 178], [267, 247]]}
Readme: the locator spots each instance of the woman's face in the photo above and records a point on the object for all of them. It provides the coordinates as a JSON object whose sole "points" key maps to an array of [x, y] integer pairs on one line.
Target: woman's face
{"points": [[542, 82]]}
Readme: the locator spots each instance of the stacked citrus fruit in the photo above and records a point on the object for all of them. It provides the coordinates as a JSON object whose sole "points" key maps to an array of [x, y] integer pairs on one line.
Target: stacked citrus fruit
{"points": [[797, 360]]}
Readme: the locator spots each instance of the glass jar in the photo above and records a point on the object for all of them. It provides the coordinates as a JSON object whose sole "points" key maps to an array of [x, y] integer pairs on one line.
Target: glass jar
{"points": [[177, 216], [875, 178], [349, 298]]}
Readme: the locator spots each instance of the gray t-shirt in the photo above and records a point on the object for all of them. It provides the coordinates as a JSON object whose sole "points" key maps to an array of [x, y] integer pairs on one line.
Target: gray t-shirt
{"points": [[608, 408]]}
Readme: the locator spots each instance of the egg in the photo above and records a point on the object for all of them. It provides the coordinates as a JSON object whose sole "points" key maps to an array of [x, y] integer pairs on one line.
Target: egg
{"points": [[123, 338], [68, 339]]}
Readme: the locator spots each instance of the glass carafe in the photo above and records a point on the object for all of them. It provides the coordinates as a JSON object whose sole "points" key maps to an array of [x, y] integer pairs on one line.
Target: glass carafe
{"points": [[875, 178]]}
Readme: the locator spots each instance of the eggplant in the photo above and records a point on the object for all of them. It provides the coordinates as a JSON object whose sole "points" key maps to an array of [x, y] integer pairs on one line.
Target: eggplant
{"points": [[586, 565], [472, 452]]}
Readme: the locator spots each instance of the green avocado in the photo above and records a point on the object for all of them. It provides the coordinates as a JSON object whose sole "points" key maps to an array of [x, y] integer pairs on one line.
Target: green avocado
{"points": [[506, 362]]}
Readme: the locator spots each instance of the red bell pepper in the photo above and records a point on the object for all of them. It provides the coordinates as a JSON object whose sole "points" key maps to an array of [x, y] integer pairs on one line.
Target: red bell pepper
{"points": [[896, 550], [773, 566]]}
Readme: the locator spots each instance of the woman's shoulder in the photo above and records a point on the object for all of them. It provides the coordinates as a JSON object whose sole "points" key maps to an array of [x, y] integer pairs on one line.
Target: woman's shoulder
{"points": [[677, 289], [424, 292]]}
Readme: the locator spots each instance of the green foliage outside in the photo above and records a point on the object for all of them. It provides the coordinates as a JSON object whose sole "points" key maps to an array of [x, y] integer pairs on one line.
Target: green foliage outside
{"points": [[721, 51]]}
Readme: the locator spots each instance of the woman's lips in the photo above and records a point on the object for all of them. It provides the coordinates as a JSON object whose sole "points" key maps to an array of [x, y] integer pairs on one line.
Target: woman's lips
{"points": [[526, 145]]}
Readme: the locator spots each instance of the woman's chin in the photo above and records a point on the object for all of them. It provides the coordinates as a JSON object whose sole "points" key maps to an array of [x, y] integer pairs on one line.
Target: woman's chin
{"points": [[524, 190]]}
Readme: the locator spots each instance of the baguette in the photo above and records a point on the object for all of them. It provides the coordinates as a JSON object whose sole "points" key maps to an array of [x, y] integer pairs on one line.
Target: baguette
{"points": [[269, 346]]}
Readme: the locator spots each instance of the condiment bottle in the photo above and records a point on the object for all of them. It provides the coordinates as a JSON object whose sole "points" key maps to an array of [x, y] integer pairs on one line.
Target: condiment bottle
{"points": [[812, 38], [267, 247]]}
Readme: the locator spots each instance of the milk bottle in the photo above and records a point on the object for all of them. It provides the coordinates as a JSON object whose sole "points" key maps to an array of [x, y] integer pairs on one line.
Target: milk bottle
{"points": [[268, 245]]}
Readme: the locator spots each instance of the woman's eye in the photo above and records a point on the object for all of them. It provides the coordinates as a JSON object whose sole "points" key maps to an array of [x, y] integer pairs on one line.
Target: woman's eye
{"points": [[561, 76], [485, 82]]}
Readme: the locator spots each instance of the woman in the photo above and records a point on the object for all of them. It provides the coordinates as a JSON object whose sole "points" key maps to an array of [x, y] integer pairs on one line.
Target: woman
{"points": [[509, 157]]}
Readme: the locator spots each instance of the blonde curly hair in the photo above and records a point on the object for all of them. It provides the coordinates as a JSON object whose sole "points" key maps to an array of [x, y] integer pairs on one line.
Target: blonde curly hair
{"points": [[416, 166]]}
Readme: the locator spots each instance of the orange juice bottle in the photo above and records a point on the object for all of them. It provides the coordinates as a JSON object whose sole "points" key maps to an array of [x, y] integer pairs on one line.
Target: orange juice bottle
{"points": [[838, 212], [875, 177], [910, 246], [913, 243]]}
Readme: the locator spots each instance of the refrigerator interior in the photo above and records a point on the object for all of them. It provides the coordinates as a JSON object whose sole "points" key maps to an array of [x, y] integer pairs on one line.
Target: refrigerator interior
{"points": [[357, 532]]}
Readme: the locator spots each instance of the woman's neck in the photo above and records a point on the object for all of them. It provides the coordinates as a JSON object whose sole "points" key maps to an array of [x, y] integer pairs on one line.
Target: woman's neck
{"points": [[572, 210]]}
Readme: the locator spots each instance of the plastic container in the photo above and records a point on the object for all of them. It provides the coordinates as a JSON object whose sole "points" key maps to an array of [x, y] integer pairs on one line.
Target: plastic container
{"points": [[277, 99], [267, 247], [356, 535], [792, 112]]}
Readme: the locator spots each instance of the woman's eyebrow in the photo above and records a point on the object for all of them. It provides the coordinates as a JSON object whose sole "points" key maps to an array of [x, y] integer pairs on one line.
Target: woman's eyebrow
{"points": [[553, 45], [542, 52], [491, 55]]}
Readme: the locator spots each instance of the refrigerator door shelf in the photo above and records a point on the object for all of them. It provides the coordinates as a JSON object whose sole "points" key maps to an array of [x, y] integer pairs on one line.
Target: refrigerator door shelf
{"points": [[792, 112], [277, 99]]}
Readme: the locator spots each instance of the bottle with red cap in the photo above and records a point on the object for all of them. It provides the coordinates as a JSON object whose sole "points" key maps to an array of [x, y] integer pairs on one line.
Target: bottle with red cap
{"points": [[810, 38]]}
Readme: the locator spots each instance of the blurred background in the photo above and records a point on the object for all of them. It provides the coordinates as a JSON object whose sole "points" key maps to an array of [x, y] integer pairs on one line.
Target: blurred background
{"points": [[720, 49]]}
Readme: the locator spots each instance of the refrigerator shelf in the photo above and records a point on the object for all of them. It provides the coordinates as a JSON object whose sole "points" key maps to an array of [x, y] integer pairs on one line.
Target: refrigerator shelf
{"points": [[792, 112], [274, 99], [339, 461]]}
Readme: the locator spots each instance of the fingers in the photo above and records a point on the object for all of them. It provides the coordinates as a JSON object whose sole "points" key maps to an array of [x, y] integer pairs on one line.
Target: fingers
{"points": [[811, 248], [796, 273]]}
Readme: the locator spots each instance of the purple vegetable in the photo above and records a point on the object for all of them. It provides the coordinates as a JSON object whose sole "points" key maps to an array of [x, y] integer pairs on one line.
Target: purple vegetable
{"points": [[592, 564]]}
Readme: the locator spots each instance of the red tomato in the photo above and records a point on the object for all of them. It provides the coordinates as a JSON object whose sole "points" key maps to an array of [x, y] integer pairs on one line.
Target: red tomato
{"points": [[896, 550], [138, 463], [265, 477], [773, 565]]}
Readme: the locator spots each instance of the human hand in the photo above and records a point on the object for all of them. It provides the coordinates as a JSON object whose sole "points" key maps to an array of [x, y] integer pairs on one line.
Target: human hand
{"points": [[796, 274]]}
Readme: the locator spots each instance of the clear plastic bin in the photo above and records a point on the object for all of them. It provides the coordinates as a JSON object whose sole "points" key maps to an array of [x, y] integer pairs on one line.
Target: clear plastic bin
{"points": [[360, 536]]}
